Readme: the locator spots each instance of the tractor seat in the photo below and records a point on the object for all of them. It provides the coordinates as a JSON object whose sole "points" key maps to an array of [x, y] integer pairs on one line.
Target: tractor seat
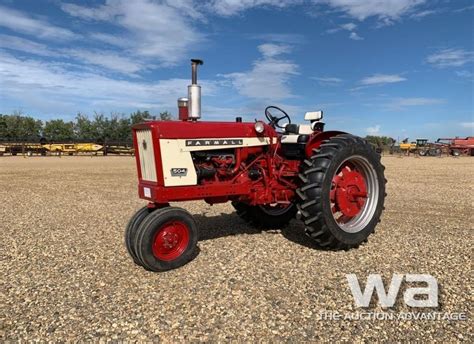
{"points": [[296, 133], [296, 136], [298, 129]]}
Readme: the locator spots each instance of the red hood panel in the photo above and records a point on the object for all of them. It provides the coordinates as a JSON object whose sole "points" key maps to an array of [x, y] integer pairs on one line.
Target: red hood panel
{"points": [[189, 130]]}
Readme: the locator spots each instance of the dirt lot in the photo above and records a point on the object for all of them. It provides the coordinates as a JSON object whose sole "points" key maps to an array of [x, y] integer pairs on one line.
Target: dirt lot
{"points": [[66, 274]]}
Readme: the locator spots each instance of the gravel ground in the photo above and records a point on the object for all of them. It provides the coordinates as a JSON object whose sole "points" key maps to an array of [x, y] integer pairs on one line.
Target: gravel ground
{"points": [[66, 274]]}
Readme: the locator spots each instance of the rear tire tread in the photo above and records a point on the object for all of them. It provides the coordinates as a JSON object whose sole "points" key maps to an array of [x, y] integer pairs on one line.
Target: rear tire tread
{"points": [[310, 207]]}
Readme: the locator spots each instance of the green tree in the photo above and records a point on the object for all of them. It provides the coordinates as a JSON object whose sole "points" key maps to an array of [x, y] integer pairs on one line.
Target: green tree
{"points": [[57, 130], [118, 128], [17, 126], [140, 116], [165, 116], [83, 128], [379, 140], [100, 127], [3, 127], [123, 129]]}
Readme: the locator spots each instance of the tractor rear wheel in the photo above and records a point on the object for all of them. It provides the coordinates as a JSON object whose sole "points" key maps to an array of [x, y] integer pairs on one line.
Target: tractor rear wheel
{"points": [[267, 216], [342, 192], [131, 230], [166, 239]]}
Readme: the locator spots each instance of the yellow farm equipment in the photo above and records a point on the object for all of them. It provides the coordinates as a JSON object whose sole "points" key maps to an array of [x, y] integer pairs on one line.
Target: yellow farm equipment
{"points": [[421, 147], [14, 148], [30, 148], [414, 146], [408, 146], [72, 148], [118, 149], [43, 147]]}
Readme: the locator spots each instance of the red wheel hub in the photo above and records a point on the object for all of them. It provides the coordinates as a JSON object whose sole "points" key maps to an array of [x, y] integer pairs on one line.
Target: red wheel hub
{"points": [[348, 193], [171, 240]]}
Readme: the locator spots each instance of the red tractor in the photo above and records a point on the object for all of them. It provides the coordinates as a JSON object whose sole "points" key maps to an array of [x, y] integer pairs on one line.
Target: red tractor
{"points": [[271, 172]]}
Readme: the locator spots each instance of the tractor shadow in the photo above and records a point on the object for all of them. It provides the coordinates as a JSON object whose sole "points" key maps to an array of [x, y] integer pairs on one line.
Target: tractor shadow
{"points": [[224, 225]]}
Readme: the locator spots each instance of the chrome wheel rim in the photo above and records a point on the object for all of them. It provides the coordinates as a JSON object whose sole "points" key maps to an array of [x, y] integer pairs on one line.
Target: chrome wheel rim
{"points": [[353, 202]]}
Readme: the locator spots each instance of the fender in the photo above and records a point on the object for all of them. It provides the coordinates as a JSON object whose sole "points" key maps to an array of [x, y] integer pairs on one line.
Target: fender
{"points": [[317, 138]]}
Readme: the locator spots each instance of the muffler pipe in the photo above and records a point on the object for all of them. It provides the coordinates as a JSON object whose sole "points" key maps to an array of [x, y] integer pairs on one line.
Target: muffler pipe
{"points": [[194, 92], [194, 76]]}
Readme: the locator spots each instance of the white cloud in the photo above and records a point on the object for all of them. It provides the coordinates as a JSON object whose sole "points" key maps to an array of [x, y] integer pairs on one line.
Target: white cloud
{"points": [[334, 30], [113, 40], [450, 58], [193, 9], [113, 8], [344, 27], [189, 7], [464, 74], [55, 87], [349, 26], [268, 79], [24, 45], [108, 59], [233, 7], [380, 79], [327, 81], [152, 30], [289, 38], [272, 50], [462, 9], [398, 103], [103, 12], [469, 125], [386, 10], [424, 13], [354, 36], [20, 22], [104, 58], [375, 130]]}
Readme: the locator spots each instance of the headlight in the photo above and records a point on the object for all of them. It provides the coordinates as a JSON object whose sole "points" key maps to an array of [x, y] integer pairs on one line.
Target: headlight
{"points": [[259, 127]]}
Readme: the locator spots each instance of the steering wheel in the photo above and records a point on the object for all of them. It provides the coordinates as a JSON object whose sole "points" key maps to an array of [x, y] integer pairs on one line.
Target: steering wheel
{"points": [[274, 120]]}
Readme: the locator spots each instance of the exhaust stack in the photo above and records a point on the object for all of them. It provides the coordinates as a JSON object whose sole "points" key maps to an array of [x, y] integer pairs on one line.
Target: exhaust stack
{"points": [[194, 92]]}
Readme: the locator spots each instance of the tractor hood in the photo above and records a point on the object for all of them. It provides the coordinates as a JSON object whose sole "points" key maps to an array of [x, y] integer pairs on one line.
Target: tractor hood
{"points": [[195, 129]]}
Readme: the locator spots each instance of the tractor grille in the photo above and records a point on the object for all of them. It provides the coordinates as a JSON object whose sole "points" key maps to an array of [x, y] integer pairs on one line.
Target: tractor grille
{"points": [[146, 154]]}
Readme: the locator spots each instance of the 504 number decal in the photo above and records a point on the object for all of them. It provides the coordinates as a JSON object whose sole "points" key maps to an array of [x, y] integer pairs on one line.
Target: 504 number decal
{"points": [[179, 171]]}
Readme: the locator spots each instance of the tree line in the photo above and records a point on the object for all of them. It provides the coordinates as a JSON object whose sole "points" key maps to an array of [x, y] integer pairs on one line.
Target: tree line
{"points": [[99, 128], [380, 140]]}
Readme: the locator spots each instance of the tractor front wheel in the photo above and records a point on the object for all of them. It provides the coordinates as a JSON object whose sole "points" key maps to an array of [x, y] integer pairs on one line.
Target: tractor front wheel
{"points": [[266, 216], [166, 239], [131, 231], [342, 192]]}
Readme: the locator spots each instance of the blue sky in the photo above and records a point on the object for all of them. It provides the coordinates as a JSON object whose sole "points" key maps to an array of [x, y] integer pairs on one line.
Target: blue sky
{"points": [[402, 68]]}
